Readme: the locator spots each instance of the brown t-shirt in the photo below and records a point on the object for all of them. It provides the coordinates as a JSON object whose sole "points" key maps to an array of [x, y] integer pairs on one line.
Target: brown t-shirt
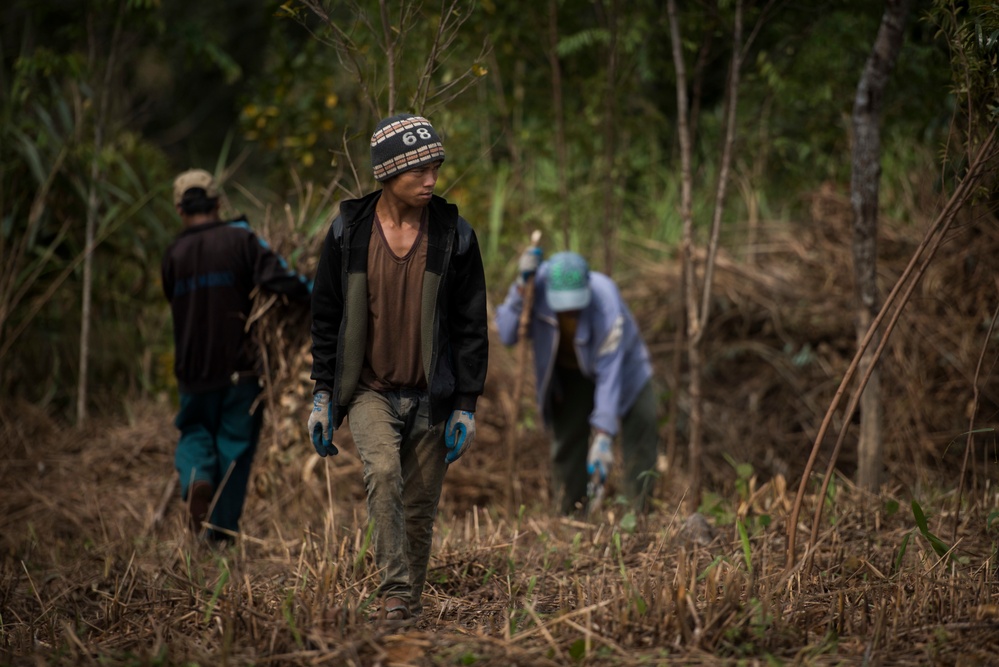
{"points": [[392, 358]]}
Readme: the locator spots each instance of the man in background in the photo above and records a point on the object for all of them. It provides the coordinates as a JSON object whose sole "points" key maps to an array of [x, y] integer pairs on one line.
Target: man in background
{"points": [[594, 376], [209, 273]]}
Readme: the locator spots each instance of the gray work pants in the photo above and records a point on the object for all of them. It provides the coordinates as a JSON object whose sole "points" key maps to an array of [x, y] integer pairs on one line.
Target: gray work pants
{"points": [[404, 467]]}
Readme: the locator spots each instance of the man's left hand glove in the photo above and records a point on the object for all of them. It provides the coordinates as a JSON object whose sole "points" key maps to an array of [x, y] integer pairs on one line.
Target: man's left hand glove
{"points": [[458, 434], [600, 459]]}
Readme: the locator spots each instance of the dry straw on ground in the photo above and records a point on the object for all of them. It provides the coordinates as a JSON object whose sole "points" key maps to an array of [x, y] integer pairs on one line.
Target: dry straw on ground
{"points": [[97, 567]]}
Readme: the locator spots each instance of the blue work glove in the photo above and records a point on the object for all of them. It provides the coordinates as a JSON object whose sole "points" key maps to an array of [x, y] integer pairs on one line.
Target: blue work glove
{"points": [[528, 264], [321, 424], [600, 459], [458, 434]]}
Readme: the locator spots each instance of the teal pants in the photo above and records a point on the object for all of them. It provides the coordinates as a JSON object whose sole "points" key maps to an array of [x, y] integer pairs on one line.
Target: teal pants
{"points": [[218, 438], [639, 442]]}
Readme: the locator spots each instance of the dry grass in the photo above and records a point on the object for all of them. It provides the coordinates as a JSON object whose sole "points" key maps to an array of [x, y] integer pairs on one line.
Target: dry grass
{"points": [[90, 576], [97, 567]]}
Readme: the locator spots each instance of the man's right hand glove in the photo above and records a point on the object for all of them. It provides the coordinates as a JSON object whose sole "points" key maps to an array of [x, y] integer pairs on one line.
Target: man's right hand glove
{"points": [[600, 459], [458, 434], [528, 264], [321, 424]]}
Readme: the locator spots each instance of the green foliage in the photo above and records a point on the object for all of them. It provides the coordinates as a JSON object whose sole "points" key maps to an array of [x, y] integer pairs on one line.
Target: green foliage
{"points": [[581, 41], [288, 611], [939, 546], [491, 256], [716, 507], [48, 147], [298, 97], [362, 553], [830, 501], [294, 117], [891, 507], [634, 597], [747, 637], [809, 112], [901, 553], [801, 86], [216, 592], [727, 512], [744, 473], [326, 81], [747, 553], [971, 32]]}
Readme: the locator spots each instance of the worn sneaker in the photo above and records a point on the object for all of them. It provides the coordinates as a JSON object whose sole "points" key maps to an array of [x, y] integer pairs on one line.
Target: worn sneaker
{"points": [[199, 499]]}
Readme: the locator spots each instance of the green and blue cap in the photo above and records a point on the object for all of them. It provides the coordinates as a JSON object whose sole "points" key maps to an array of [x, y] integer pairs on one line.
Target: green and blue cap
{"points": [[568, 285]]}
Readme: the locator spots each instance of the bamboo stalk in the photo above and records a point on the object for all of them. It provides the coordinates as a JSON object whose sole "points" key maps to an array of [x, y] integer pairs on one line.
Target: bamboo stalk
{"points": [[513, 428]]}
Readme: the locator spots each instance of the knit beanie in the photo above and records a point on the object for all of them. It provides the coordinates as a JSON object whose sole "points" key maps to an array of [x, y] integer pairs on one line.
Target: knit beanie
{"points": [[403, 142], [568, 285]]}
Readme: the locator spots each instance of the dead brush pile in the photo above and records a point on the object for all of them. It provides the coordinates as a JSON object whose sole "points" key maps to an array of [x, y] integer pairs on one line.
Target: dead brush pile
{"points": [[781, 335], [97, 567]]}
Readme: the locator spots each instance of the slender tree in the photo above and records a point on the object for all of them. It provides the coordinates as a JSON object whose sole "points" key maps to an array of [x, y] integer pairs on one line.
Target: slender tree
{"points": [[974, 142], [102, 88], [687, 255], [611, 211], [864, 184], [558, 109], [697, 295]]}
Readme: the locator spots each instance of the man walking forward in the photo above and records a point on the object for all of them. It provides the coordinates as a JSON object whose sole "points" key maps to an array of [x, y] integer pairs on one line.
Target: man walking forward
{"points": [[400, 346]]}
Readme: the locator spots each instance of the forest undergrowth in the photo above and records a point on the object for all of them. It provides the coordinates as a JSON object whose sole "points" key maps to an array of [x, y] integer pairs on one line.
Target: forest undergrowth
{"points": [[98, 568]]}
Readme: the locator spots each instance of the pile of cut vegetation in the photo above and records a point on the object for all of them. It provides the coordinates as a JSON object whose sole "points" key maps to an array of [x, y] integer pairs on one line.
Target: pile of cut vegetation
{"points": [[782, 334]]}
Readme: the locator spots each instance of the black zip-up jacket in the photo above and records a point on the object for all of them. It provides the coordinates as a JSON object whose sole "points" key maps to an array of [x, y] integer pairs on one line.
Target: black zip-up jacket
{"points": [[209, 272], [454, 334]]}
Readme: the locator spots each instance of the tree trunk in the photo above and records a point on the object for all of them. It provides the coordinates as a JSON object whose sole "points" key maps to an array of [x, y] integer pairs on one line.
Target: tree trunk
{"points": [[864, 201], [100, 116], [88, 272], [698, 306], [505, 116], [390, 56], [561, 159], [610, 123], [687, 254], [731, 105]]}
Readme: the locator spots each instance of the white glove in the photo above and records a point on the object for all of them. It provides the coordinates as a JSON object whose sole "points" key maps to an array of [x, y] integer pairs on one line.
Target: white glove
{"points": [[321, 424], [528, 264], [600, 459], [458, 434]]}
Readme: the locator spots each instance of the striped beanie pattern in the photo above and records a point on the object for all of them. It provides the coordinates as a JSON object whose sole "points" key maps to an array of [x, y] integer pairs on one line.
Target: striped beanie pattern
{"points": [[403, 142]]}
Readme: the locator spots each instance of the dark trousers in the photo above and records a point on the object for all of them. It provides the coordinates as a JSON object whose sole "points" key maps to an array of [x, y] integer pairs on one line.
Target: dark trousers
{"points": [[572, 404], [218, 438]]}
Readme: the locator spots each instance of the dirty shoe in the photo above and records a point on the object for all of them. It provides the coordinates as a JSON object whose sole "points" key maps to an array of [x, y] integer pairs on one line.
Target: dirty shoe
{"points": [[199, 499]]}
